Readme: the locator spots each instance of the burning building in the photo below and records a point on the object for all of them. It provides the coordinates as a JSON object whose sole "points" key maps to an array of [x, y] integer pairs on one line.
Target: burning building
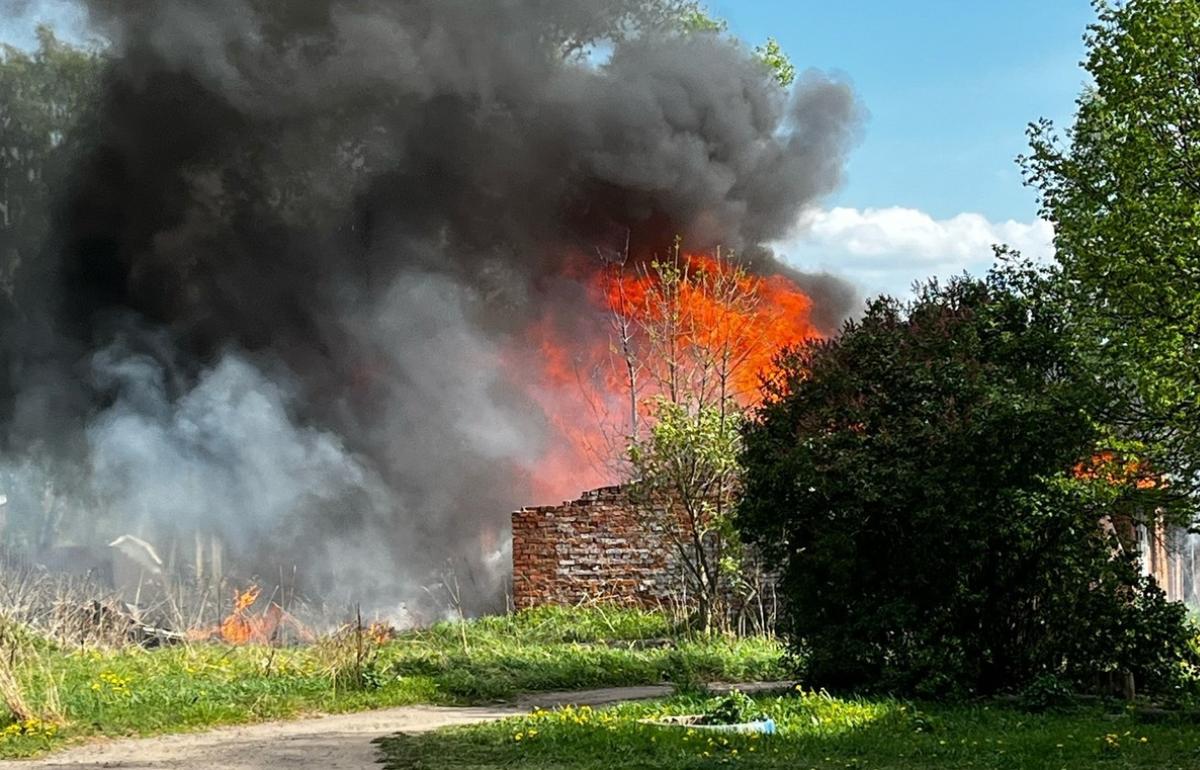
{"points": [[312, 282]]}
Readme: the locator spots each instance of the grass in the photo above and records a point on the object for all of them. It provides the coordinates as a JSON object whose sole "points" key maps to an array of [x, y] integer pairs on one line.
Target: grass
{"points": [[70, 694], [815, 731]]}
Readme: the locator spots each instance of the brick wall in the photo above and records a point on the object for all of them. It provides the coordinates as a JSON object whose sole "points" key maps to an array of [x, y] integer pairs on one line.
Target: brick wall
{"points": [[596, 547], [599, 547]]}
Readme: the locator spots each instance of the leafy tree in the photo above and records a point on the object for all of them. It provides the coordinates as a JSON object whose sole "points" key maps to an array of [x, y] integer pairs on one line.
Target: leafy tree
{"points": [[634, 17], [41, 97], [685, 331], [1123, 192], [576, 29], [697, 19], [777, 61], [919, 481], [694, 18], [686, 471]]}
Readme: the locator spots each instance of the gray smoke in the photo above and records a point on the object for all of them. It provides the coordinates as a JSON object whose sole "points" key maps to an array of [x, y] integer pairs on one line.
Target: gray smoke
{"points": [[300, 237]]}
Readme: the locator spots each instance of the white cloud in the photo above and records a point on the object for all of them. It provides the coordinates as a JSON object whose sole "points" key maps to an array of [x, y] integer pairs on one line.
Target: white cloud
{"points": [[886, 250]]}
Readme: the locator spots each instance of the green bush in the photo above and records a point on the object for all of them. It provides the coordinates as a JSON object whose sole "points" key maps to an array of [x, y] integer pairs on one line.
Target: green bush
{"points": [[917, 480], [1046, 693], [733, 708]]}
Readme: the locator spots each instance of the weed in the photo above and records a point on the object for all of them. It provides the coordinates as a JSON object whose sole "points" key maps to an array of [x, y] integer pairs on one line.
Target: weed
{"points": [[1046, 693], [130, 690], [815, 730], [735, 707]]}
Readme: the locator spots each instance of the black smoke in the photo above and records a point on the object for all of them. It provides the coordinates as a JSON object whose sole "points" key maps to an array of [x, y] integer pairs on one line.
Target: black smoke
{"points": [[283, 269]]}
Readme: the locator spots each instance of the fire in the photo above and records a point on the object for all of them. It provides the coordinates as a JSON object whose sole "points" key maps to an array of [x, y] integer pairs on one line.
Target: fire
{"points": [[380, 632], [239, 627], [575, 360], [244, 626], [766, 313], [1111, 467]]}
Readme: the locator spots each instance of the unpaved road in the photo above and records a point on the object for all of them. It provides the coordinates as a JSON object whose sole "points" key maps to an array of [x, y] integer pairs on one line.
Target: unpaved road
{"points": [[338, 742]]}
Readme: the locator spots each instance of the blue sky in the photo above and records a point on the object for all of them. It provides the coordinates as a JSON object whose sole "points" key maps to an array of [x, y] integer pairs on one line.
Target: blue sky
{"points": [[949, 86], [19, 18]]}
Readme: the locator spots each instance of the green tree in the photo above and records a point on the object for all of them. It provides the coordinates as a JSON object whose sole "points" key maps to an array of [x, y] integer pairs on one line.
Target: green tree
{"points": [[688, 17], [576, 30], [42, 95], [1122, 188], [686, 473], [685, 333], [777, 61], [919, 481]]}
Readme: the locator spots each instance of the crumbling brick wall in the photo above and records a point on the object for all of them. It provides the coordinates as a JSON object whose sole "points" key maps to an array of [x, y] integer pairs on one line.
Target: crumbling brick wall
{"points": [[596, 547]]}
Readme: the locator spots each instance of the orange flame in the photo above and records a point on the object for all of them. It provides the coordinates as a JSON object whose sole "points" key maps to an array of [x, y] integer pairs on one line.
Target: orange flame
{"points": [[242, 626], [1106, 465], [380, 632], [574, 369], [239, 627], [774, 313]]}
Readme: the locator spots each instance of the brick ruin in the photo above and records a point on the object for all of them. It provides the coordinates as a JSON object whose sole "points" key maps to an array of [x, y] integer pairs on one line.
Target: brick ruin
{"points": [[596, 547], [601, 547]]}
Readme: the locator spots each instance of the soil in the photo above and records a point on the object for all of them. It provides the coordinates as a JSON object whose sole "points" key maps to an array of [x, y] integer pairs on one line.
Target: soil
{"points": [[337, 742]]}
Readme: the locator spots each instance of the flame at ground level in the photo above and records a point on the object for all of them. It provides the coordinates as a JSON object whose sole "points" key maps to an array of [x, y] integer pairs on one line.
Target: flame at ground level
{"points": [[573, 365], [243, 625]]}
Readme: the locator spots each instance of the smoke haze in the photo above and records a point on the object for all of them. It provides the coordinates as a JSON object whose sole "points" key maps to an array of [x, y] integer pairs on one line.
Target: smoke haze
{"points": [[288, 262]]}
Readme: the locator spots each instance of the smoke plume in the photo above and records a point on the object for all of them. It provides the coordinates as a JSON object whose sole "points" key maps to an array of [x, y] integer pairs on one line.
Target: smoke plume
{"points": [[286, 265]]}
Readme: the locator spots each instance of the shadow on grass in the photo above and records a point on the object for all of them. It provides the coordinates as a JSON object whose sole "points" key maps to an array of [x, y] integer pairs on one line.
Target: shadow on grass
{"points": [[816, 731]]}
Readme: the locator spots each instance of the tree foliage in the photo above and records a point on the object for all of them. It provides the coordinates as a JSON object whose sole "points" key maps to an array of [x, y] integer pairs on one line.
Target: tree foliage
{"points": [[777, 61], [916, 480], [685, 476], [684, 331], [614, 22], [575, 29], [1123, 191], [42, 95]]}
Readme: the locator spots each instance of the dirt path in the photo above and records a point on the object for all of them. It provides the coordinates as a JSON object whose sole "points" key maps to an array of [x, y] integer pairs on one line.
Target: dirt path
{"points": [[338, 742]]}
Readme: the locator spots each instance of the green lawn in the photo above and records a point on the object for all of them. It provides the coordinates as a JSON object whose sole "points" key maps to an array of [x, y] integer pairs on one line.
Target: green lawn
{"points": [[816, 731], [136, 692]]}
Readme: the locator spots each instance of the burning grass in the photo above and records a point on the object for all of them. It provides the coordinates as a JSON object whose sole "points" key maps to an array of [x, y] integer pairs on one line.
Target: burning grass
{"points": [[135, 691], [815, 731]]}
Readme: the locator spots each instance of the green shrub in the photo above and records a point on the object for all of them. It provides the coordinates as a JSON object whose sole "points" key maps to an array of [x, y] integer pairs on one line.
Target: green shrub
{"points": [[1046, 693], [917, 479], [733, 708]]}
